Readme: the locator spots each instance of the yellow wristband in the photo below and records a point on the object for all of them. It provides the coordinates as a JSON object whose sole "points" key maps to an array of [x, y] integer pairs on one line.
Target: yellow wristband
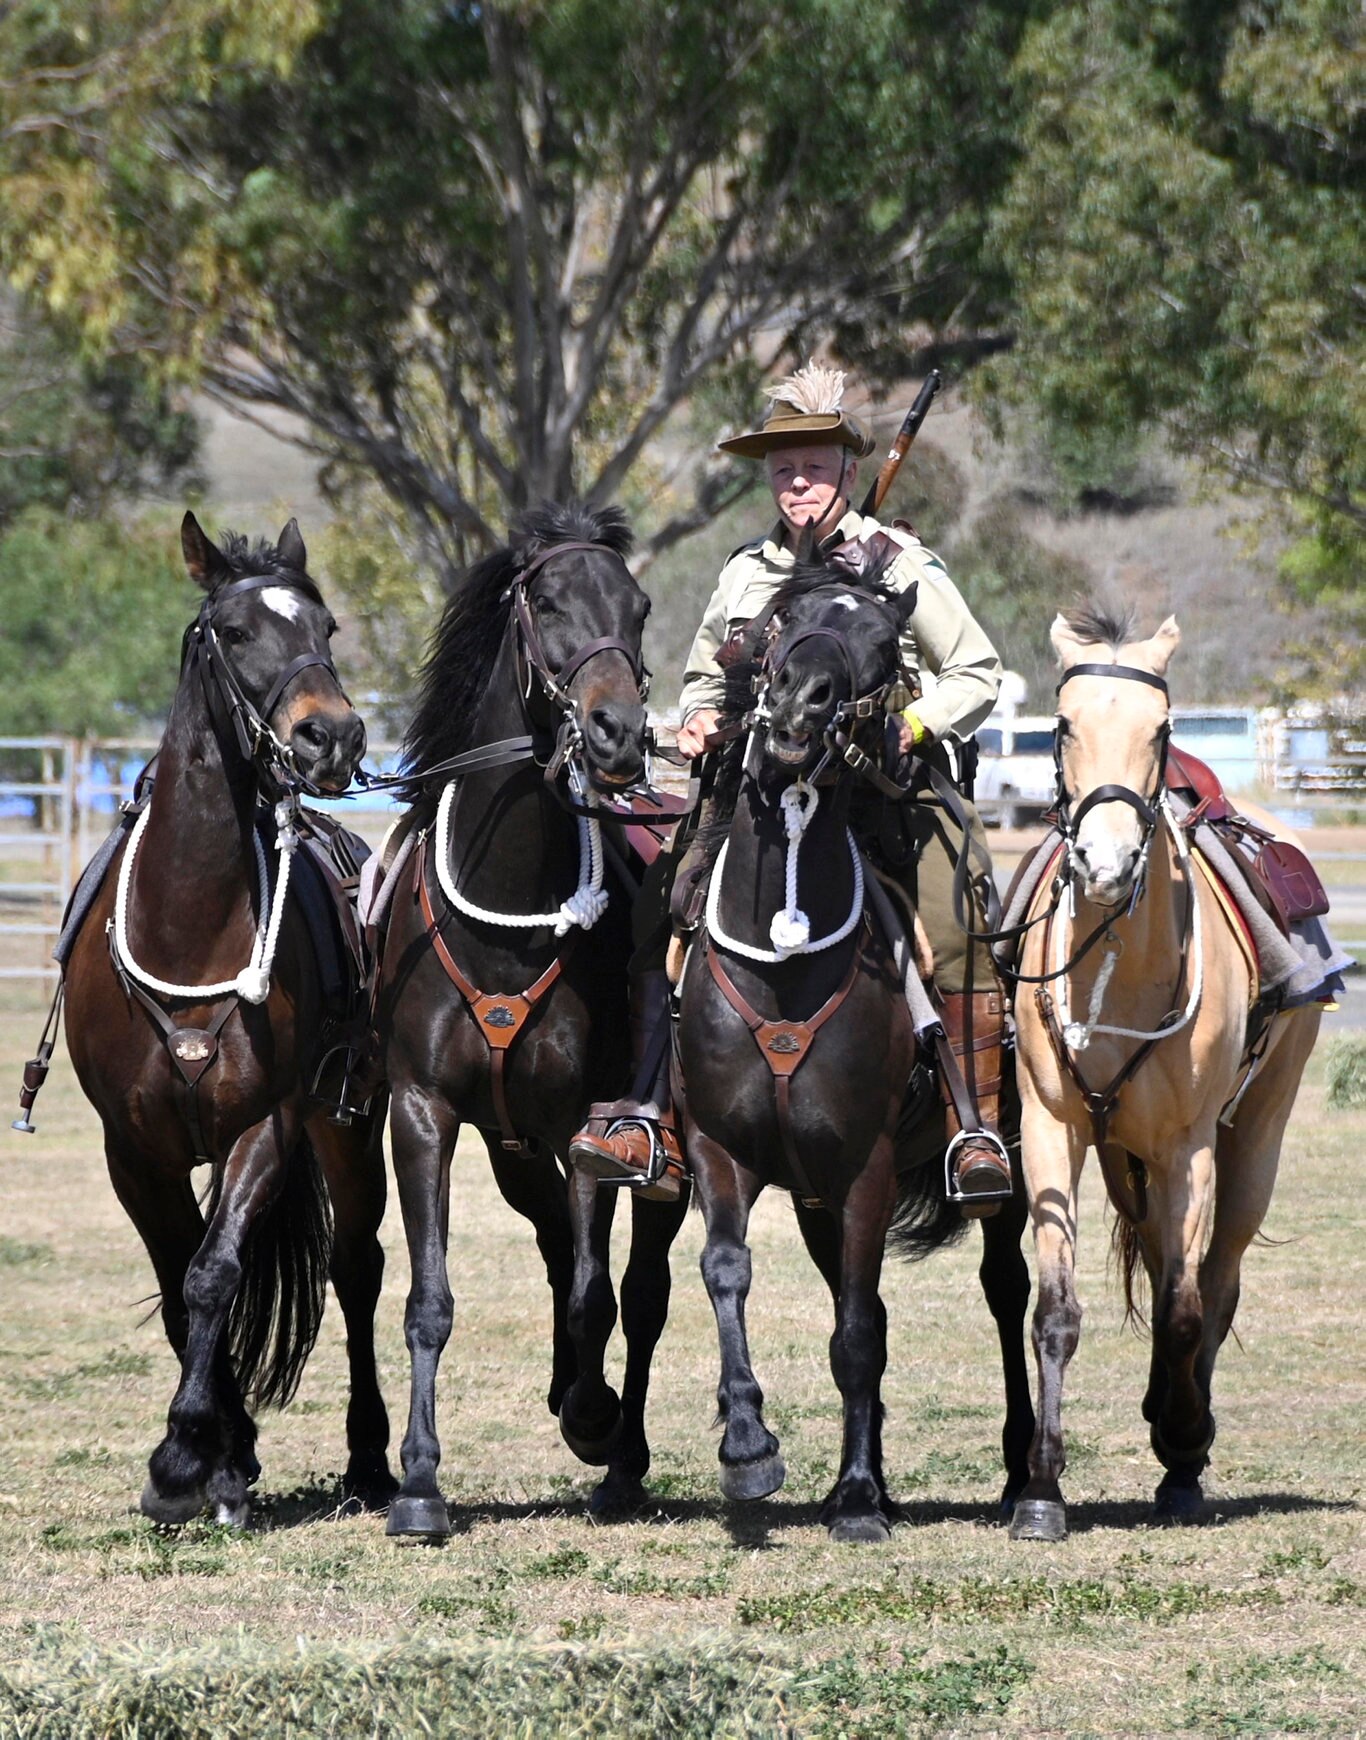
{"points": [[918, 729]]}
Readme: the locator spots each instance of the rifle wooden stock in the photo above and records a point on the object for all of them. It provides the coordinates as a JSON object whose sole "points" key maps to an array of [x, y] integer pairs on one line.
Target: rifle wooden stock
{"points": [[907, 433]]}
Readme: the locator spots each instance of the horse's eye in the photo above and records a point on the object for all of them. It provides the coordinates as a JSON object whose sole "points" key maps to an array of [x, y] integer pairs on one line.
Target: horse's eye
{"points": [[544, 607], [236, 636], [331, 626], [1064, 729]]}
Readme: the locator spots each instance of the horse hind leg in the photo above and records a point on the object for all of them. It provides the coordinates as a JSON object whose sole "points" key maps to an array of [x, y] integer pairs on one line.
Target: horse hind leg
{"points": [[645, 1289], [534, 1187], [352, 1158], [751, 1467]]}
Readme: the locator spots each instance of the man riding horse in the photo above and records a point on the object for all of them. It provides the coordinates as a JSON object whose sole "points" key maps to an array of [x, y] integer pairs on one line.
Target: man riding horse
{"points": [[812, 446]]}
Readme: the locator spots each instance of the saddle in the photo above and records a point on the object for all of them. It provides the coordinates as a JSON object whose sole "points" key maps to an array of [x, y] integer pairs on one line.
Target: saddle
{"points": [[1282, 879]]}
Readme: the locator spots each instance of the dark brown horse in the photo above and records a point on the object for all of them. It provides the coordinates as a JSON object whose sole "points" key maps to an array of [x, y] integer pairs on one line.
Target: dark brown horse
{"points": [[502, 993], [796, 1045], [195, 1033]]}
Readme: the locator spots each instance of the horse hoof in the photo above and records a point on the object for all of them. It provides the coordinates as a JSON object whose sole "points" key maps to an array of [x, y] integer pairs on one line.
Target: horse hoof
{"points": [[871, 1529], [413, 1518], [232, 1516], [750, 1480], [594, 1450], [1179, 1504], [369, 1490], [178, 1508], [615, 1499], [1039, 1519]]}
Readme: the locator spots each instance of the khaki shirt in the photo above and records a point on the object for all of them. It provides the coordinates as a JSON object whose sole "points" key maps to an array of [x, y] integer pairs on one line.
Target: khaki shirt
{"points": [[942, 644]]}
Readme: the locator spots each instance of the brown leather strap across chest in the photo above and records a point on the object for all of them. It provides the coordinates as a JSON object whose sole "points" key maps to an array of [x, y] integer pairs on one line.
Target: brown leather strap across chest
{"points": [[500, 1016], [784, 1047]]}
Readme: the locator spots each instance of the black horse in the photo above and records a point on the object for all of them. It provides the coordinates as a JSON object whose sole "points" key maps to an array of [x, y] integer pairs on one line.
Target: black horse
{"points": [[195, 1041], [503, 995], [796, 1058]]}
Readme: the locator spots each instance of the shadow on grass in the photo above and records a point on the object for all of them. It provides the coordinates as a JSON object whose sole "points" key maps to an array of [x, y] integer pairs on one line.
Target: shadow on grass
{"points": [[752, 1525]]}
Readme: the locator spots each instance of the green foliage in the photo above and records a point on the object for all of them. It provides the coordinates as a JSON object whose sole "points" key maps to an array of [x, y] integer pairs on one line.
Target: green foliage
{"points": [[94, 613], [1179, 230], [1346, 1073], [488, 252], [75, 433], [448, 1692]]}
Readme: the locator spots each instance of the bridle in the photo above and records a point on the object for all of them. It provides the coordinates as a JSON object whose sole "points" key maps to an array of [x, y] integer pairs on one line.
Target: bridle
{"points": [[232, 709], [556, 683], [1146, 808]]}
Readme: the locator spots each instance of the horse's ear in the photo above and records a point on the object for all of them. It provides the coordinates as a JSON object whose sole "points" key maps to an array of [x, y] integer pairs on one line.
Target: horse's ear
{"points": [[291, 548], [204, 561], [1065, 643], [806, 544], [904, 603], [1163, 644]]}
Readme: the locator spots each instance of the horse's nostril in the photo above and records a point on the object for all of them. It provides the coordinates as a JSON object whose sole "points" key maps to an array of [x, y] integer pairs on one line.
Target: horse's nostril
{"points": [[606, 725], [314, 733]]}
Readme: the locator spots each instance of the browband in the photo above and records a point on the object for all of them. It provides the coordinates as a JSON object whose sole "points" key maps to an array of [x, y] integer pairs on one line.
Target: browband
{"points": [[1133, 674]]}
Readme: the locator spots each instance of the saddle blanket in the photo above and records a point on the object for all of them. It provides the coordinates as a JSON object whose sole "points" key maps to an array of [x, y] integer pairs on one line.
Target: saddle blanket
{"points": [[1304, 967]]}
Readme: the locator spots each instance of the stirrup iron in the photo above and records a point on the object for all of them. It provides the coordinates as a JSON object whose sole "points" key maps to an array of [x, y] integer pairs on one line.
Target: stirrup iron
{"points": [[951, 1190]]}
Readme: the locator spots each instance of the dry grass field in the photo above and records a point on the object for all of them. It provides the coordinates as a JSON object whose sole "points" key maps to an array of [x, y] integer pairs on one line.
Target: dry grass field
{"points": [[697, 1618]]}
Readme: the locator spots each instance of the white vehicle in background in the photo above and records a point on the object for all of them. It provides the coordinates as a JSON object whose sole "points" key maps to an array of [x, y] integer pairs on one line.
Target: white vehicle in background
{"points": [[1015, 777]]}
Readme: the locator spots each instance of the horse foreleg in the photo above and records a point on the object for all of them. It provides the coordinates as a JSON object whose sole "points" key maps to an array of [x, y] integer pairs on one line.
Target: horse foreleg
{"points": [[1052, 1153], [590, 1414], [168, 1221], [207, 1451], [858, 1508], [352, 1159], [534, 1187], [750, 1464], [423, 1131], [645, 1289], [1004, 1276]]}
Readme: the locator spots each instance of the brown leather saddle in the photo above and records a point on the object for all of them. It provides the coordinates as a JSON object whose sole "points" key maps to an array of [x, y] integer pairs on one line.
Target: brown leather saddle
{"points": [[1285, 883]]}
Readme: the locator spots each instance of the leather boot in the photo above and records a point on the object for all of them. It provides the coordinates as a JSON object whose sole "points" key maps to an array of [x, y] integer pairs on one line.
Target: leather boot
{"points": [[632, 1141], [975, 1025]]}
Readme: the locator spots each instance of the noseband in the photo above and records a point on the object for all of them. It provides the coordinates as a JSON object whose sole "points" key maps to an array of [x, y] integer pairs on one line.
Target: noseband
{"points": [[837, 735], [1069, 820], [229, 705]]}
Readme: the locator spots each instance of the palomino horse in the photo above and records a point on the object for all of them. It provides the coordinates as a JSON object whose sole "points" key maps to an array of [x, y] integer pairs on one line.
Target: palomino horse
{"points": [[1160, 1053], [493, 1008], [194, 1015], [796, 1048]]}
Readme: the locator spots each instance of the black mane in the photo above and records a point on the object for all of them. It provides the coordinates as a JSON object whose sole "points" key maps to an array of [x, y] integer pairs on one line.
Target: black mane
{"points": [[1093, 624], [245, 560], [465, 644]]}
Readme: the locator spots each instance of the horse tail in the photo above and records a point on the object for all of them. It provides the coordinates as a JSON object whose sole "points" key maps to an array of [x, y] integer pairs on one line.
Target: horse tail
{"points": [[924, 1220], [1128, 1255], [278, 1310]]}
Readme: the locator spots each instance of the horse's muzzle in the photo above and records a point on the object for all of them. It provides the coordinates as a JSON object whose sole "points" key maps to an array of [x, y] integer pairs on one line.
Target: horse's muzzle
{"points": [[614, 742], [328, 748]]}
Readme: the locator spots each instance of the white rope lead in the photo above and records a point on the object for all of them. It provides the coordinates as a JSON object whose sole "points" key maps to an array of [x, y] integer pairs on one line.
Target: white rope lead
{"points": [[585, 906], [252, 984], [790, 929]]}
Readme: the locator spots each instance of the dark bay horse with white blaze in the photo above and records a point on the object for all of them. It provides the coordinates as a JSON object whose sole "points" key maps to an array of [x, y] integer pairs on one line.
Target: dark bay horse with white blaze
{"points": [[194, 1012], [796, 1046], [1154, 1024], [503, 991]]}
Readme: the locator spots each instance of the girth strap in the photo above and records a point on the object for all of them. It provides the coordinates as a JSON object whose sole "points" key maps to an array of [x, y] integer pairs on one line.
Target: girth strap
{"points": [[784, 1047], [499, 1016]]}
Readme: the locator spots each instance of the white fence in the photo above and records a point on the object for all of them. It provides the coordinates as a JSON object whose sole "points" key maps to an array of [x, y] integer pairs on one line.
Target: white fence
{"points": [[59, 797]]}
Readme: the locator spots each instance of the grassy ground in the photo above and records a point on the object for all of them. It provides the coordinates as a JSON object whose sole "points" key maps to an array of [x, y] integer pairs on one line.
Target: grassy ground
{"points": [[698, 1618]]}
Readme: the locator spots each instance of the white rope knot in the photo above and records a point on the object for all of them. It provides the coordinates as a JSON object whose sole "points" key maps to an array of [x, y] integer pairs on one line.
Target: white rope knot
{"points": [[585, 906], [252, 984], [790, 931]]}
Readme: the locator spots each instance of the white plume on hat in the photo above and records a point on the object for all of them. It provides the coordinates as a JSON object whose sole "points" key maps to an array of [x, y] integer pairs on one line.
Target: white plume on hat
{"points": [[815, 390]]}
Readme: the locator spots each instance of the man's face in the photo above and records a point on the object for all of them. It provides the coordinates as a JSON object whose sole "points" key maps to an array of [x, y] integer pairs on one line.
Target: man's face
{"points": [[811, 484]]}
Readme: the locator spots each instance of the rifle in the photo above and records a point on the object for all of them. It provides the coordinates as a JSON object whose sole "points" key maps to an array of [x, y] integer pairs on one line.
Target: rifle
{"points": [[877, 494]]}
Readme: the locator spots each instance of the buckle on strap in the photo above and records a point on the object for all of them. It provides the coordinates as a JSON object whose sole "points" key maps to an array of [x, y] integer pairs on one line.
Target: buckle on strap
{"points": [[992, 1140]]}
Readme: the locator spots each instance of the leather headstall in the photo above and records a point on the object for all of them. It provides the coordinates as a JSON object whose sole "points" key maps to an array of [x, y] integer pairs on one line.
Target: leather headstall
{"points": [[1069, 820]]}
